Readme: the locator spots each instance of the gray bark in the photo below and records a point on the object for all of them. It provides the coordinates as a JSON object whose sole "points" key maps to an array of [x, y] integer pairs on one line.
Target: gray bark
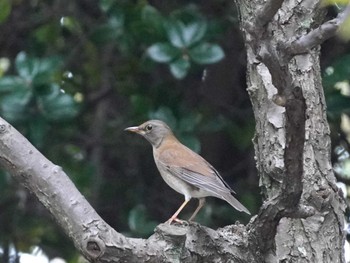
{"points": [[301, 219], [292, 142], [93, 237]]}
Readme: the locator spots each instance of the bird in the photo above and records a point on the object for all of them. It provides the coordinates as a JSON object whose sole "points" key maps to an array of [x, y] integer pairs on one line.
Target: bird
{"points": [[184, 170]]}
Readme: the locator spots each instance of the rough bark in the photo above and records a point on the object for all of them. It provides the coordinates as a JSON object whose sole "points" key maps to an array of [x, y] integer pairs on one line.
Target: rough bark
{"points": [[93, 237], [301, 219]]}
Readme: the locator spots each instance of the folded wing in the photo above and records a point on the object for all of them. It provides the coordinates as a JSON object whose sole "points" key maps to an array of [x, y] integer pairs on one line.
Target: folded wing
{"points": [[193, 169]]}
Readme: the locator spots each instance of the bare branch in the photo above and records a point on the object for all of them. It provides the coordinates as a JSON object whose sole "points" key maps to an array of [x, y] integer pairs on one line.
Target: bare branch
{"points": [[268, 11], [318, 35], [57, 193], [286, 203], [277, 67], [263, 16], [93, 237]]}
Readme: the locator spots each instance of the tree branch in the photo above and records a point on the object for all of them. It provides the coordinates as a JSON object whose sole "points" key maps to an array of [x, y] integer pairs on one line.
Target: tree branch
{"points": [[57, 193], [263, 17], [286, 202], [93, 237], [271, 56], [267, 12], [319, 35], [292, 185]]}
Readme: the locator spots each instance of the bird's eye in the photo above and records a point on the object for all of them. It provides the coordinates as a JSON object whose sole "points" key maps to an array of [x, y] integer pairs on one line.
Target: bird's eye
{"points": [[149, 127]]}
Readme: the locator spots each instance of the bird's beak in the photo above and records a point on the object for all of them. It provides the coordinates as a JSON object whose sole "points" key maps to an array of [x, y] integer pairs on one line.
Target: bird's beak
{"points": [[135, 129]]}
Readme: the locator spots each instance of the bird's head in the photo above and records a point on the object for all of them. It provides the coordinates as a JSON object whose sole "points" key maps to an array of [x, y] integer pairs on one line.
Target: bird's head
{"points": [[154, 131]]}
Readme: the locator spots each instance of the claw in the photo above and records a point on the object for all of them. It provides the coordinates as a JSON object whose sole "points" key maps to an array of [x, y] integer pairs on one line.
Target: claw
{"points": [[182, 222]]}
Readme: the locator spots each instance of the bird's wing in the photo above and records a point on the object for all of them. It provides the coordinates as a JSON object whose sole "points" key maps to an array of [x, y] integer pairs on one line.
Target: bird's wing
{"points": [[193, 169]]}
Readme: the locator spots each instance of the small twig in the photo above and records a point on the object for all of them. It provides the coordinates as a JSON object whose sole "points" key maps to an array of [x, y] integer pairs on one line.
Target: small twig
{"points": [[263, 17], [277, 67], [267, 12], [318, 35]]}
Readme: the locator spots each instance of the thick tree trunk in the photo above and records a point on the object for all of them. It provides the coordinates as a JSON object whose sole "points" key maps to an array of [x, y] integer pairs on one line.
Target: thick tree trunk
{"points": [[292, 142]]}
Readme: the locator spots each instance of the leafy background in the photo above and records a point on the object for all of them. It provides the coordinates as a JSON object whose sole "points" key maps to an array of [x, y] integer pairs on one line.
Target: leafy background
{"points": [[74, 74]]}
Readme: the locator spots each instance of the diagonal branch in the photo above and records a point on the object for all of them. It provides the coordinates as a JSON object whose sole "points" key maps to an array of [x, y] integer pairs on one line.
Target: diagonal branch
{"points": [[93, 237], [318, 35], [57, 193], [263, 17], [268, 11], [286, 204]]}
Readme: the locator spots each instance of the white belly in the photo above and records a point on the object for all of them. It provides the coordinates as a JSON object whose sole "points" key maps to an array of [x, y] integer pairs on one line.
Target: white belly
{"points": [[181, 186], [177, 184]]}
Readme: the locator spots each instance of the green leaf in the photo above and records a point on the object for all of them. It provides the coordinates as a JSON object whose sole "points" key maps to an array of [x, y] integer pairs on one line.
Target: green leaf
{"points": [[70, 23], [189, 122], [38, 128], [338, 71], [241, 134], [145, 26], [138, 221], [140, 104], [149, 12], [151, 16], [5, 9], [179, 68], [47, 33], [14, 105], [343, 31], [194, 32], [49, 64], [110, 31], [36, 70], [26, 67], [175, 31], [47, 70], [334, 2], [3, 181], [4, 65], [104, 34], [214, 124], [164, 114], [106, 5], [162, 52], [12, 83], [337, 104], [191, 142], [206, 53], [58, 106]]}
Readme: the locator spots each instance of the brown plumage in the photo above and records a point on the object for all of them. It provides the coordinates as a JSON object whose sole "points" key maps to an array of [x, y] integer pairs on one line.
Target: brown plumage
{"points": [[184, 170]]}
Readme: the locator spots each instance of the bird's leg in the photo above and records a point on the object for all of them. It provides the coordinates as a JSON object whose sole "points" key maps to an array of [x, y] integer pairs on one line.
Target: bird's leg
{"points": [[200, 205], [174, 217]]}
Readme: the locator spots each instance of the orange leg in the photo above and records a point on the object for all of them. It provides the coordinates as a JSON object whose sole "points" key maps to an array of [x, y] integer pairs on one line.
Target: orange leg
{"points": [[200, 205], [174, 217]]}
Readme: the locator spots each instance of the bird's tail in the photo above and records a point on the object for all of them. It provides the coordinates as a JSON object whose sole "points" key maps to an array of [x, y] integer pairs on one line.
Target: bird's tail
{"points": [[235, 203]]}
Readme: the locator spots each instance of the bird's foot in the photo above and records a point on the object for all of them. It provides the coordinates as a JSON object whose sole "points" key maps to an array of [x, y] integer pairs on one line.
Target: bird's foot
{"points": [[182, 222]]}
